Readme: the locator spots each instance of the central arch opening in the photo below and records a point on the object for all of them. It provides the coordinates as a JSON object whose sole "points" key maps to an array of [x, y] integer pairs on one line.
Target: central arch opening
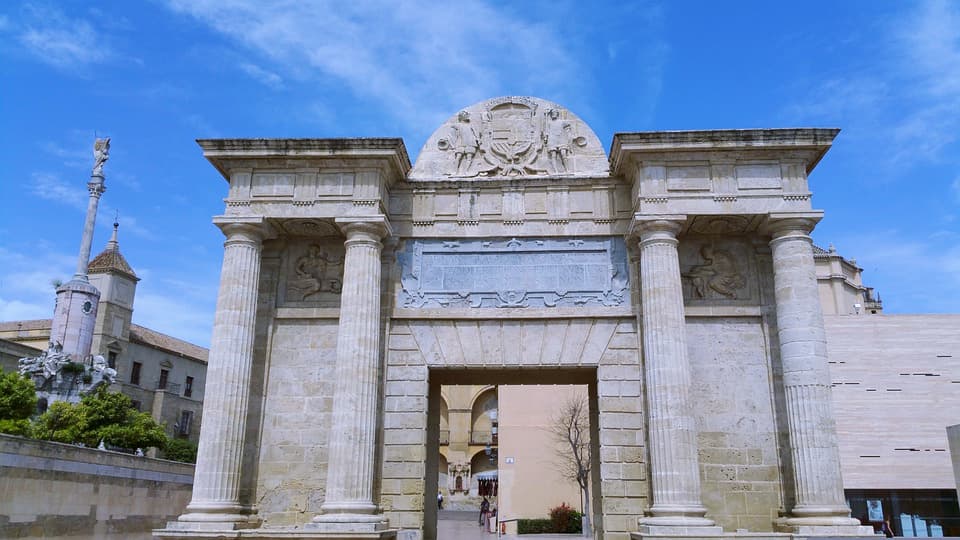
{"points": [[493, 435]]}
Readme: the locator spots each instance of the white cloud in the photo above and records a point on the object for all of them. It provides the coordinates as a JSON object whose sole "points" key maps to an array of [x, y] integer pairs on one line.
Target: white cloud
{"points": [[263, 76], [73, 157], [420, 60], [906, 103], [182, 308], [61, 41], [909, 270], [51, 187], [26, 281]]}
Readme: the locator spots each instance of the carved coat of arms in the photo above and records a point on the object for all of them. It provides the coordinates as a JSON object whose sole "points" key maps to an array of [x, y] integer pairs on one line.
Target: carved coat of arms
{"points": [[510, 138]]}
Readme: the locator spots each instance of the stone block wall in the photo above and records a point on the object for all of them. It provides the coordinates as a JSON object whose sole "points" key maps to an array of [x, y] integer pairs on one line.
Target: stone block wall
{"points": [[296, 420], [624, 492], [49, 490], [732, 395], [609, 345]]}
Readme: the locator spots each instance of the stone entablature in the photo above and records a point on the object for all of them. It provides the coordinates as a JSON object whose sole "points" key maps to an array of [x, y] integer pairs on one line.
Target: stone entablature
{"points": [[723, 172], [307, 178]]}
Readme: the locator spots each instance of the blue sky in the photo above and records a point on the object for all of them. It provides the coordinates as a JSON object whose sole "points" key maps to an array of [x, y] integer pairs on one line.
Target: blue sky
{"points": [[154, 76]]}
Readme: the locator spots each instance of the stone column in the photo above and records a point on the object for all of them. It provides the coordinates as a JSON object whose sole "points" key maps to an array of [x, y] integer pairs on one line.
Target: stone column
{"points": [[216, 485], [96, 187], [674, 465], [349, 504], [806, 379]]}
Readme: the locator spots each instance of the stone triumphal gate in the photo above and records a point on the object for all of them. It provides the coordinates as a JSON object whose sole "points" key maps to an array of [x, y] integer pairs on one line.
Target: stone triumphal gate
{"points": [[675, 278]]}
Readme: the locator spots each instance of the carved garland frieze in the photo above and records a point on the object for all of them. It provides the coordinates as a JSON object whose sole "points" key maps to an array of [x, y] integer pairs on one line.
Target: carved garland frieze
{"points": [[514, 273]]}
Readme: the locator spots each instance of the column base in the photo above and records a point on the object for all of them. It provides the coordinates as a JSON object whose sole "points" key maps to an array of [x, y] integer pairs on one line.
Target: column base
{"points": [[824, 526], [685, 532], [280, 533]]}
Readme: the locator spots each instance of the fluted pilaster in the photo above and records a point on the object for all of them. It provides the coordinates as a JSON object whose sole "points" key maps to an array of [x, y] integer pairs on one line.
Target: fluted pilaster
{"points": [[349, 502], [216, 485], [674, 466], [806, 379]]}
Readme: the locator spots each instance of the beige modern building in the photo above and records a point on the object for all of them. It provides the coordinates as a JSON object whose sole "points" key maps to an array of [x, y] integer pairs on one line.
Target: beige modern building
{"points": [[673, 278]]}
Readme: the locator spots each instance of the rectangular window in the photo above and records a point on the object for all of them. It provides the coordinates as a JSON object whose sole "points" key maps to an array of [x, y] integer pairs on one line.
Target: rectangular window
{"points": [[188, 387], [183, 426], [162, 383], [135, 373], [112, 359]]}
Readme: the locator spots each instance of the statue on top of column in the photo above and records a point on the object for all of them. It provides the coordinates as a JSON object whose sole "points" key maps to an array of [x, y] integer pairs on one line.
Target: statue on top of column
{"points": [[101, 153]]}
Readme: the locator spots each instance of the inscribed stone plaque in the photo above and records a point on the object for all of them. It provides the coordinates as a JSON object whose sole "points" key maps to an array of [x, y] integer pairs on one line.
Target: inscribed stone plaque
{"points": [[495, 273]]}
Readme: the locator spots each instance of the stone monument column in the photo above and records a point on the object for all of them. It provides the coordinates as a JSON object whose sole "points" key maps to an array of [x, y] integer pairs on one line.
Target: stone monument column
{"points": [[806, 380], [216, 486], [674, 465], [75, 315], [349, 504]]}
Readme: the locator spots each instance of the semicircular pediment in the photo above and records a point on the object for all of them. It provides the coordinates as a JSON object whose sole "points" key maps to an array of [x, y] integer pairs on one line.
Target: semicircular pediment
{"points": [[511, 137]]}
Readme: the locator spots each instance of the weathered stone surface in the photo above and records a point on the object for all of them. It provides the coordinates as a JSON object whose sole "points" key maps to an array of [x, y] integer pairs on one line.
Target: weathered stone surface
{"points": [[502, 257]]}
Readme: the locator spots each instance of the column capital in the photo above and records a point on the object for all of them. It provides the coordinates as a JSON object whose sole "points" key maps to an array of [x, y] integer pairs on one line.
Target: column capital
{"points": [[663, 228], [246, 230], [781, 225], [372, 227]]}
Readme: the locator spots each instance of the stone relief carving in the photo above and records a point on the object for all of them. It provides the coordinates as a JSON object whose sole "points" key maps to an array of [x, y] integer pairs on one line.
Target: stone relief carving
{"points": [[718, 271], [314, 272], [511, 137], [513, 273], [718, 274]]}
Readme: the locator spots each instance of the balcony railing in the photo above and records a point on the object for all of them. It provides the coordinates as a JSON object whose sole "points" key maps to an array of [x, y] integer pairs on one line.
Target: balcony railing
{"points": [[173, 388], [483, 437]]}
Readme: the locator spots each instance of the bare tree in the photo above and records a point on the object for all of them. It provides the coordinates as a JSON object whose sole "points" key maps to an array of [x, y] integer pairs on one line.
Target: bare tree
{"points": [[570, 429]]}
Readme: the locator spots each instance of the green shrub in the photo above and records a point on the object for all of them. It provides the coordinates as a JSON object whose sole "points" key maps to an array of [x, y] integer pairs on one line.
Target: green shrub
{"points": [[100, 416], [180, 450], [534, 526], [15, 427], [63, 422], [18, 400]]}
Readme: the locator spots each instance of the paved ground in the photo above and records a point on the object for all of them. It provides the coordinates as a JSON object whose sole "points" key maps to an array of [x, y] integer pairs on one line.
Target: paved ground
{"points": [[459, 525]]}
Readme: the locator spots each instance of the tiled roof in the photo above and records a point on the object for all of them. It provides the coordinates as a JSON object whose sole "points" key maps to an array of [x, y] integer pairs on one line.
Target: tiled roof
{"points": [[138, 334], [110, 260], [146, 336], [35, 324]]}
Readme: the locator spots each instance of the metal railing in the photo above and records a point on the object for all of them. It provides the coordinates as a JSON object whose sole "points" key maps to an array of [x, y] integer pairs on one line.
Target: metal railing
{"points": [[483, 437], [173, 388]]}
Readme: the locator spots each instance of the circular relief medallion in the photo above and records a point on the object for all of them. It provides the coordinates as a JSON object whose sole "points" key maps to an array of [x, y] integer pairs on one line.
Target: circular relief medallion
{"points": [[87, 307]]}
